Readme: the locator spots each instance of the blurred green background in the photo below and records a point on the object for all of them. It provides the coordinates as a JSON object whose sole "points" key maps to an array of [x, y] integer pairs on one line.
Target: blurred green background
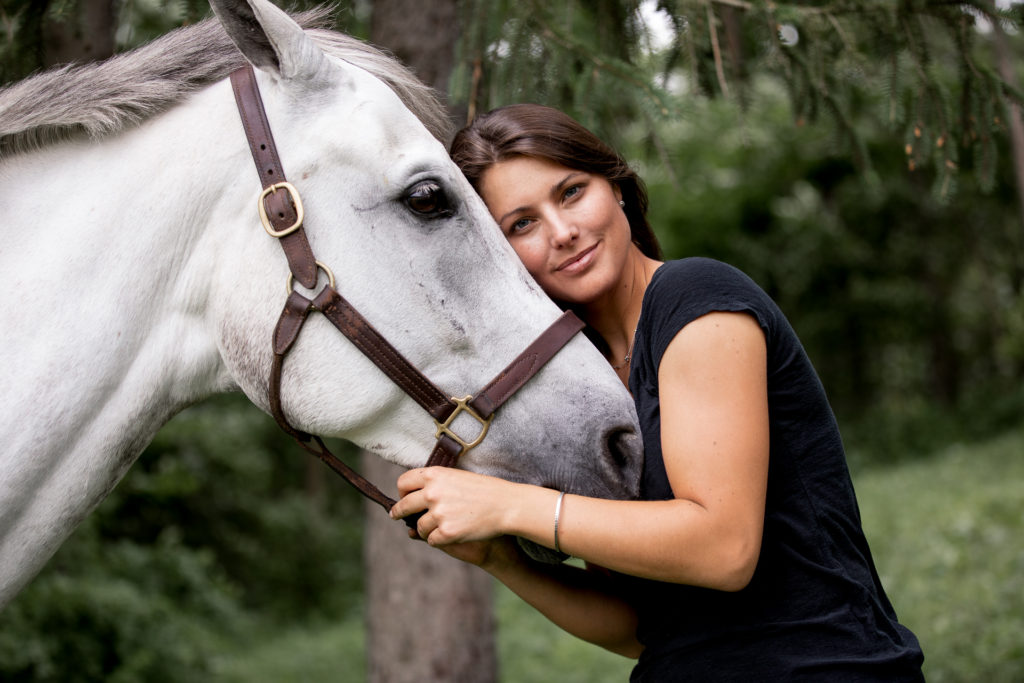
{"points": [[863, 175]]}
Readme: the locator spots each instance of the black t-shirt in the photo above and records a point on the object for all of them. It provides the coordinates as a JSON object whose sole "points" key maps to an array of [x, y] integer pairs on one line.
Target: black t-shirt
{"points": [[815, 608]]}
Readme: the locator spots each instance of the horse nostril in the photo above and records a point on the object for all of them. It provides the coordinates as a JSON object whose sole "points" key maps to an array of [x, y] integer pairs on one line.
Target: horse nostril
{"points": [[620, 447]]}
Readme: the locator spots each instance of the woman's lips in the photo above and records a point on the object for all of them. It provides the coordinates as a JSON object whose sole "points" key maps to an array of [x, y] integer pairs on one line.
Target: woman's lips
{"points": [[578, 262]]}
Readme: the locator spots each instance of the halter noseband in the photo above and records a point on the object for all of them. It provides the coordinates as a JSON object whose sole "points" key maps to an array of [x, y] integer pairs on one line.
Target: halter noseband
{"points": [[281, 213]]}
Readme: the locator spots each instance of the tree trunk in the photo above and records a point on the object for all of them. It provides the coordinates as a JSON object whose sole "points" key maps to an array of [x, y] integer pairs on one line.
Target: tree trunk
{"points": [[87, 35], [422, 35], [428, 617], [1014, 124]]}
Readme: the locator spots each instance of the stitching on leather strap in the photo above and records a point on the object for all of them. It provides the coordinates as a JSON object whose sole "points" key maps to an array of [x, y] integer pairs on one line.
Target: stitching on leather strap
{"points": [[536, 355], [359, 331], [268, 165]]}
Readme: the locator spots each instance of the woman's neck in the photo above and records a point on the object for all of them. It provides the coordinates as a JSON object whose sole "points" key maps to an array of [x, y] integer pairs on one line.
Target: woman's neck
{"points": [[615, 316]]}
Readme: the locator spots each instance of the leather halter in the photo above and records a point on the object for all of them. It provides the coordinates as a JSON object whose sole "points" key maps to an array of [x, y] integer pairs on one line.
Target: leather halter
{"points": [[281, 212]]}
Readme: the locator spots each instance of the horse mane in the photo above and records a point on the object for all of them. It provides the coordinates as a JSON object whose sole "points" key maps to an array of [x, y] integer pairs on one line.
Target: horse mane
{"points": [[103, 98]]}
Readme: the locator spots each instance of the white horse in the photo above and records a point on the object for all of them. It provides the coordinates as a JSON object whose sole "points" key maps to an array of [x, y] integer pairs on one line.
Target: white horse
{"points": [[138, 279]]}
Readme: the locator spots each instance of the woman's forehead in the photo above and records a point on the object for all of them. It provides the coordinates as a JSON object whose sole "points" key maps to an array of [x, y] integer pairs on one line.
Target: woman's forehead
{"points": [[524, 175]]}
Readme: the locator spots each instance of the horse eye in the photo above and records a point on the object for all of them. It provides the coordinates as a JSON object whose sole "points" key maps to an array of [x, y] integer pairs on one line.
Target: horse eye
{"points": [[428, 199]]}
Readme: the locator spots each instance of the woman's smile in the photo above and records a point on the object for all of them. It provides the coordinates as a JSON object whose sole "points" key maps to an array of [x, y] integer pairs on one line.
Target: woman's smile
{"points": [[566, 225], [580, 261]]}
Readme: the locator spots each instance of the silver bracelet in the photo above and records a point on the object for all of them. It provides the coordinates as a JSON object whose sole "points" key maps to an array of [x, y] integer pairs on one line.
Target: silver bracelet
{"points": [[558, 512]]}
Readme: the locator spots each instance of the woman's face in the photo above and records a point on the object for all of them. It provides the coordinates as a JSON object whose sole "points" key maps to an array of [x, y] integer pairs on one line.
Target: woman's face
{"points": [[566, 225]]}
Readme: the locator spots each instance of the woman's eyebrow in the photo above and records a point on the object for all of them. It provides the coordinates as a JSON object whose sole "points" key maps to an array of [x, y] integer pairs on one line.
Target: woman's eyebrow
{"points": [[565, 181], [513, 211], [555, 189]]}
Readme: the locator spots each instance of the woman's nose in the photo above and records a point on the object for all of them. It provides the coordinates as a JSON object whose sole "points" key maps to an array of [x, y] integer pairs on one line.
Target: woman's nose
{"points": [[562, 232]]}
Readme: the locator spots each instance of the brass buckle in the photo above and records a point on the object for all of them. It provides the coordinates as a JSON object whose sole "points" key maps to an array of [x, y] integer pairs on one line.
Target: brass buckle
{"points": [[462, 405], [294, 195], [321, 266]]}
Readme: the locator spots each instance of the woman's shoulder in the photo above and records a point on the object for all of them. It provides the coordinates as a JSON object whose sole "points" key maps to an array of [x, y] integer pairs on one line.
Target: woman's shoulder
{"points": [[700, 279], [684, 290]]}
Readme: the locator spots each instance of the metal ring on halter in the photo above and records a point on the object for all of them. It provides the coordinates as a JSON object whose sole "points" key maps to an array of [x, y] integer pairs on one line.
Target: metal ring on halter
{"points": [[321, 266], [296, 200], [462, 406]]}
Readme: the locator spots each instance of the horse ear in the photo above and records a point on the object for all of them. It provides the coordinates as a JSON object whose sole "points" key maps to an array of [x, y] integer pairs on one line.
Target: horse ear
{"points": [[268, 37]]}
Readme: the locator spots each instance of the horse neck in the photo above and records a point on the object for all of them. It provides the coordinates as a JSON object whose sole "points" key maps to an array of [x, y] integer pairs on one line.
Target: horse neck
{"points": [[116, 341], [106, 253]]}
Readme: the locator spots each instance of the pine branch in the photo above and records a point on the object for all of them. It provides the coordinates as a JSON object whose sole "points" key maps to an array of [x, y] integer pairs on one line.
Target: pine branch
{"points": [[716, 50], [620, 70]]}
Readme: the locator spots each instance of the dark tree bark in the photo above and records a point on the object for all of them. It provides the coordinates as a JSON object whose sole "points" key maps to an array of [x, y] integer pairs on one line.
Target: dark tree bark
{"points": [[422, 35], [429, 617], [87, 36], [1015, 126]]}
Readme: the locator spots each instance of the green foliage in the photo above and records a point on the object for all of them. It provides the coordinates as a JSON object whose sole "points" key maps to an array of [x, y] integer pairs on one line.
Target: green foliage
{"points": [[920, 69], [908, 304], [118, 611], [21, 53], [23, 24], [945, 532], [223, 531], [573, 55], [332, 651]]}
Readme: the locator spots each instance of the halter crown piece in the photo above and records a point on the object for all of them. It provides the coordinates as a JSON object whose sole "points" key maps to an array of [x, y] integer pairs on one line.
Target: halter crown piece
{"points": [[281, 212]]}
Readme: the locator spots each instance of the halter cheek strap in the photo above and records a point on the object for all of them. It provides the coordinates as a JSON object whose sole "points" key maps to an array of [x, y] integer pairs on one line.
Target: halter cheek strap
{"points": [[281, 212]]}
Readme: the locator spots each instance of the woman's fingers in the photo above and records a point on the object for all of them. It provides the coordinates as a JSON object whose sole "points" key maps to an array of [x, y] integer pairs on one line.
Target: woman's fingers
{"points": [[410, 503], [425, 526], [458, 505], [412, 480], [412, 487]]}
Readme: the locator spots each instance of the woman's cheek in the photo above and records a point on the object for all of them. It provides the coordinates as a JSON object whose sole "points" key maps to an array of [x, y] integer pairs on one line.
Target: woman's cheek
{"points": [[531, 256]]}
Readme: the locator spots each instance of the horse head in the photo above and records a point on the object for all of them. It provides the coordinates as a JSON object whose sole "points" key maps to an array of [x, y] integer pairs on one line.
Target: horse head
{"points": [[415, 250], [130, 182]]}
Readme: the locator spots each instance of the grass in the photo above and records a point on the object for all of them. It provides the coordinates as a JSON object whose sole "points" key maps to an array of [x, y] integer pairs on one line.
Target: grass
{"points": [[299, 654], [948, 537]]}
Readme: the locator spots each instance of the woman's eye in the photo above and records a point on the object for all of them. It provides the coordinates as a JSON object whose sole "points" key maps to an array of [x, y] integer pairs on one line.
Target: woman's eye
{"points": [[519, 225], [428, 199], [573, 191]]}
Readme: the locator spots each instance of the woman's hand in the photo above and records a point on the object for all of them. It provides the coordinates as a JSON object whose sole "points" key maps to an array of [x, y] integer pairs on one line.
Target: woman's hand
{"points": [[459, 507], [475, 518], [491, 555]]}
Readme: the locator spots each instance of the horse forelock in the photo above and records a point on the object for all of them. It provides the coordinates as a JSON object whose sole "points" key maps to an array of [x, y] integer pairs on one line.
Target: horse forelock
{"points": [[103, 98]]}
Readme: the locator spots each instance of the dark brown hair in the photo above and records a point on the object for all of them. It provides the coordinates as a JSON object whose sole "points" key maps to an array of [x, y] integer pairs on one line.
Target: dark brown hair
{"points": [[533, 130]]}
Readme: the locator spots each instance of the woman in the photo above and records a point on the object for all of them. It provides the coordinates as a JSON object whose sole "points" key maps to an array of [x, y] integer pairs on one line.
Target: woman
{"points": [[745, 560]]}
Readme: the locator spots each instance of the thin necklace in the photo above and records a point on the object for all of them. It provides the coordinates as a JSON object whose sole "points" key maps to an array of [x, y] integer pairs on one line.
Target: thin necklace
{"points": [[632, 340], [629, 353]]}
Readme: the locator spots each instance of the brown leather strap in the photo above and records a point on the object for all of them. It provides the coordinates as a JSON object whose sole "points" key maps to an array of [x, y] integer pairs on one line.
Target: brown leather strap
{"points": [[279, 207], [446, 452], [358, 481], [283, 215], [526, 364], [296, 311], [375, 347]]}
